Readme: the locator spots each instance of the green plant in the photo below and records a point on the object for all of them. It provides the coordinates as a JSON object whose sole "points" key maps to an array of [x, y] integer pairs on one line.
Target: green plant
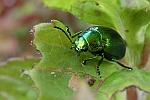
{"points": [[59, 73]]}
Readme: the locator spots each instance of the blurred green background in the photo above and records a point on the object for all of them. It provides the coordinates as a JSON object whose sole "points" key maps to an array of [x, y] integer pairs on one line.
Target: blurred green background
{"points": [[17, 17]]}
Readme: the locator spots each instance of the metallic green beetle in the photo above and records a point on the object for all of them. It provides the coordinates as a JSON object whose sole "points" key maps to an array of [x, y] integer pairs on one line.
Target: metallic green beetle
{"points": [[100, 41]]}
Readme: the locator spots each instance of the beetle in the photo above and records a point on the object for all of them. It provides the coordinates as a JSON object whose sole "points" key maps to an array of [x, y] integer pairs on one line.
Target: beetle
{"points": [[100, 41]]}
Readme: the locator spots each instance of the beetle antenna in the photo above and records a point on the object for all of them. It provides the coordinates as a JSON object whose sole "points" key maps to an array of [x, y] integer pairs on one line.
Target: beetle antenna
{"points": [[65, 32]]}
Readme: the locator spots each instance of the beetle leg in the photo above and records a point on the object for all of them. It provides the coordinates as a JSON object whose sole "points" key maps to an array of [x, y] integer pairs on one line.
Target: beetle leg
{"points": [[68, 31], [98, 65], [87, 59], [74, 35], [122, 65]]}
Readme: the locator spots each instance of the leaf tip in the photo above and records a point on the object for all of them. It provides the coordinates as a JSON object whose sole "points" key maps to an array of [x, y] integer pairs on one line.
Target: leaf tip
{"points": [[53, 22]]}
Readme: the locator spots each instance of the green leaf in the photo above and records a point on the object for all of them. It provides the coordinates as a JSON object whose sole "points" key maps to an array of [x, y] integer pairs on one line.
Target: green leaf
{"points": [[125, 78], [12, 85], [58, 74], [147, 33], [56, 52], [130, 19], [59, 59], [51, 84]]}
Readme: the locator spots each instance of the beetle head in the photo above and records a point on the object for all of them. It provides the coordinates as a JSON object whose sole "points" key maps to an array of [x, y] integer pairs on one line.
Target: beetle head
{"points": [[80, 45]]}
